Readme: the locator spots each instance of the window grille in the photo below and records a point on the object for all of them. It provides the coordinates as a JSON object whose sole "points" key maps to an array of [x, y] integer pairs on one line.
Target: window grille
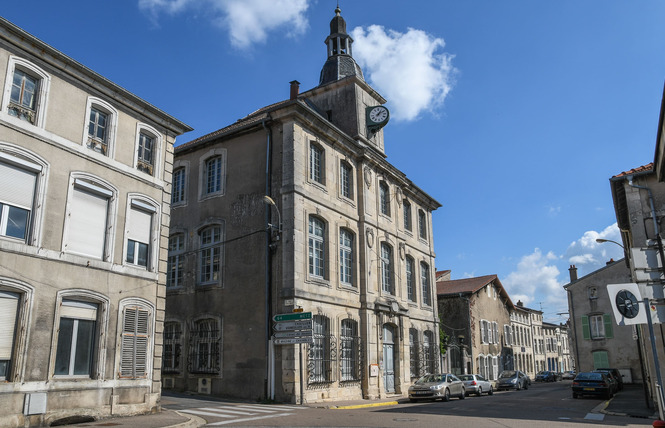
{"points": [[322, 353], [429, 355], [413, 353], [172, 347], [204, 347], [350, 347]]}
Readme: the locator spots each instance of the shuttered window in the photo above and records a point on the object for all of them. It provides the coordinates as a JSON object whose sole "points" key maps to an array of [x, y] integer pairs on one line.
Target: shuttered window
{"points": [[135, 342], [8, 316], [88, 220], [600, 359], [17, 193]]}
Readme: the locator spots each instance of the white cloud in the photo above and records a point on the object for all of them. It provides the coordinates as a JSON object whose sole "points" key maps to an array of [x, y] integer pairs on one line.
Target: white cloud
{"points": [[535, 281], [247, 21], [408, 68], [588, 255]]}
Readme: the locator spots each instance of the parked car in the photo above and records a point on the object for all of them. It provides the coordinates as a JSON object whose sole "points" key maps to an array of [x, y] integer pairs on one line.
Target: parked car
{"points": [[614, 382], [433, 386], [568, 375], [545, 376], [558, 376], [616, 374], [476, 384], [592, 383], [512, 379]]}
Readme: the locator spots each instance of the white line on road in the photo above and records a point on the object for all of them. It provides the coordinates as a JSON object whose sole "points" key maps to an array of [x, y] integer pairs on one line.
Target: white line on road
{"points": [[249, 419], [200, 413]]}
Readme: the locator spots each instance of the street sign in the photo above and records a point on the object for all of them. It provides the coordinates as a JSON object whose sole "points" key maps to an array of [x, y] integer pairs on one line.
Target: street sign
{"points": [[293, 341], [298, 333], [293, 325], [293, 316]]}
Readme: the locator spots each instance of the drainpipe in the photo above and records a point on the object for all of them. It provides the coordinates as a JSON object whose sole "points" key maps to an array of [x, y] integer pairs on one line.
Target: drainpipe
{"points": [[269, 379]]}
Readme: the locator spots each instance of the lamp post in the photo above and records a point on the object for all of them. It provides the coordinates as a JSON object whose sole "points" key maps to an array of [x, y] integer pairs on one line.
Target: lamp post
{"points": [[270, 353], [269, 201], [601, 240]]}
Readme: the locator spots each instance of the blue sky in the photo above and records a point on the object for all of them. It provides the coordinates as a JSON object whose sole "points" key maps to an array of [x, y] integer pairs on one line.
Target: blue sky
{"points": [[512, 114]]}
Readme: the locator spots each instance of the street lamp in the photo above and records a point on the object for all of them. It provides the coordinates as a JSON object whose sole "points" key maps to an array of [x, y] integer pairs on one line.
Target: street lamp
{"points": [[269, 201], [601, 240]]}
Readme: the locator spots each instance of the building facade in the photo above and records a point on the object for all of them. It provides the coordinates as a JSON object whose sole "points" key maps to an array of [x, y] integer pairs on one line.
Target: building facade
{"points": [[295, 207], [85, 173], [475, 315], [522, 340]]}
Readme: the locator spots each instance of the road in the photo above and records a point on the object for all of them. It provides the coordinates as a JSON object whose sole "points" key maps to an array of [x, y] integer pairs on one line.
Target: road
{"points": [[542, 405]]}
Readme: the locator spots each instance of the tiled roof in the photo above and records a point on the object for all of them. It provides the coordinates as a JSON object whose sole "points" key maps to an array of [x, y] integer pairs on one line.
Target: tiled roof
{"points": [[645, 168], [466, 285]]}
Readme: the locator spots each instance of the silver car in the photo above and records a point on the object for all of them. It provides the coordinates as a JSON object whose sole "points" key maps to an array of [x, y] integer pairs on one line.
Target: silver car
{"points": [[433, 386], [476, 384]]}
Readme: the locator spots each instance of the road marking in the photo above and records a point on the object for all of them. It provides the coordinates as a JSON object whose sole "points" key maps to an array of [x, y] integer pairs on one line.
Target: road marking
{"points": [[248, 419], [595, 416], [253, 409], [198, 412]]}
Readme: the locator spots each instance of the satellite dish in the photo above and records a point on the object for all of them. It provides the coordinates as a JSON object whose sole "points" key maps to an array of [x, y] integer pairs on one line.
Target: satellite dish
{"points": [[627, 304]]}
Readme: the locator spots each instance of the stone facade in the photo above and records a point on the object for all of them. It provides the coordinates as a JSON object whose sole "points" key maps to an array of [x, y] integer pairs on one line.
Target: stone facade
{"points": [[343, 234], [80, 311]]}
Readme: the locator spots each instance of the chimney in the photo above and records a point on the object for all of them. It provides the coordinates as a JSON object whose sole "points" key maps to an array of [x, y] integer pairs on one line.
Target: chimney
{"points": [[295, 89], [610, 262], [520, 304], [573, 273]]}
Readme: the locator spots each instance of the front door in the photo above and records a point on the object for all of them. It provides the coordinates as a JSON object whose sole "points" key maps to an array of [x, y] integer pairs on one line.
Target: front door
{"points": [[388, 358]]}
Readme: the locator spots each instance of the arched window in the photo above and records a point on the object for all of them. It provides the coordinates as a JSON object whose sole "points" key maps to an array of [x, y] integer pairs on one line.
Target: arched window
{"points": [[410, 279], [204, 346], [26, 91], [210, 259], [148, 143], [100, 126], [320, 363], [384, 198], [172, 347], [136, 340]]}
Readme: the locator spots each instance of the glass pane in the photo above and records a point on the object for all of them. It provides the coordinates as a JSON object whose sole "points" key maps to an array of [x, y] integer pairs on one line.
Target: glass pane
{"points": [[64, 348], [17, 222], [131, 247], [85, 342], [143, 254], [4, 368]]}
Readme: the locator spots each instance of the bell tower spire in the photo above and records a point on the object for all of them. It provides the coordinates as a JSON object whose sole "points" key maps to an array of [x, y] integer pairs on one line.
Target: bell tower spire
{"points": [[340, 62]]}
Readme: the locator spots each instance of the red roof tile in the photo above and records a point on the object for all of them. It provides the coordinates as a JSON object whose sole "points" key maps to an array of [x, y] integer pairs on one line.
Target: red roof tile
{"points": [[645, 168]]}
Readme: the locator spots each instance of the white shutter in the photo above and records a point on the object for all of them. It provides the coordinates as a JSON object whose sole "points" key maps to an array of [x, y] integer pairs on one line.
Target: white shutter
{"points": [[17, 186], [139, 224], [78, 310], [8, 310], [87, 223]]}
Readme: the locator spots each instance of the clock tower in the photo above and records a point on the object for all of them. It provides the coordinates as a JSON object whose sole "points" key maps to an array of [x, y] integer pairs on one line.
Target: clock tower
{"points": [[343, 96]]}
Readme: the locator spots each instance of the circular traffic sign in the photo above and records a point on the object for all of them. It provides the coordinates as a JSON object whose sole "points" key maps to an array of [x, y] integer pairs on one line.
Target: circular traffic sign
{"points": [[627, 304]]}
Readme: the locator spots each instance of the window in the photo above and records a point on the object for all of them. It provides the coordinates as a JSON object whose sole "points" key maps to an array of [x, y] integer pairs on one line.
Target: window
{"points": [[508, 335], [135, 342], [26, 91], [386, 268], [349, 351], [429, 347], [424, 281], [97, 127], [139, 234], [597, 326], [75, 350], [23, 103], [346, 180], [407, 215], [88, 221], [384, 198], [422, 224], [345, 257], [176, 260], [18, 181], [316, 163], [320, 363], [211, 254], [9, 303], [413, 353], [316, 247], [172, 347], [178, 193], [410, 282], [204, 347], [213, 175], [484, 332], [495, 332]]}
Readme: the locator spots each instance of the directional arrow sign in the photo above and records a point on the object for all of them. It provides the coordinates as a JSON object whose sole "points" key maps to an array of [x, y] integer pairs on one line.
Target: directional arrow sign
{"points": [[300, 333], [293, 325], [293, 341], [293, 316]]}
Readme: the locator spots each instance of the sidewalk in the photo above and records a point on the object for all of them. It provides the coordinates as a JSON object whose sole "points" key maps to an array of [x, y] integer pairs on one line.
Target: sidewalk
{"points": [[630, 402], [163, 419]]}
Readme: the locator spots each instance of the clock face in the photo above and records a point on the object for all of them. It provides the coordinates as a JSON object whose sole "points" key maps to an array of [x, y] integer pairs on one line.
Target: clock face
{"points": [[378, 114], [627, 304]]}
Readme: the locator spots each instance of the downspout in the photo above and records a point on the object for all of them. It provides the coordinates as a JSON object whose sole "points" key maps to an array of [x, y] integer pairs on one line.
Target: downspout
{"points": [[268, 260]]}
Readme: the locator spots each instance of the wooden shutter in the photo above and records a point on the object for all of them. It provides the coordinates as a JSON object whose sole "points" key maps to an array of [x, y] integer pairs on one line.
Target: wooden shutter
{"points": [[607, 320], [586, 332], [600, 359], [135, 342], [8, 312]]}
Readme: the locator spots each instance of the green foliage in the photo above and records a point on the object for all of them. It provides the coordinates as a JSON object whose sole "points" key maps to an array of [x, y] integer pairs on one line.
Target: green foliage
{"points": [[443, 339]]}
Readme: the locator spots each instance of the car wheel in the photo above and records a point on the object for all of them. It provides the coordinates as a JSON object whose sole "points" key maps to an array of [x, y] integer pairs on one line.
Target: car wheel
{"points": [[480, 391], [518, 386], [575, 395], [526, 386], [462, 396], [491, 391], [446, 395]]}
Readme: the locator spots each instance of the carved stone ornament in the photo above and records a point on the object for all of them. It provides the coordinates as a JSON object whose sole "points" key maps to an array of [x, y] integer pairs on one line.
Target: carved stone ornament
{"points": [[399, 196], [370, 237], [368, 177], [402, 250]]}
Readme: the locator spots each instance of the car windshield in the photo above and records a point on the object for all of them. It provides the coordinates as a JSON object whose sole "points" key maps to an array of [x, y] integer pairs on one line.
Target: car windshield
{"points": [[507, 373], [431, 378], [589, 376], [466, 377]]}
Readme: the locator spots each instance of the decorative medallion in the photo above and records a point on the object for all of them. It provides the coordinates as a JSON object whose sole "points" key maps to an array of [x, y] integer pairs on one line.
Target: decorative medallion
{"points": [[370, 237], [368, 178]]}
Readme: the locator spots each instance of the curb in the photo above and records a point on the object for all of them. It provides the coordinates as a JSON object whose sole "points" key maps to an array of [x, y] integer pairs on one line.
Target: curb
{"points": [[193, 422], [360, 406]]}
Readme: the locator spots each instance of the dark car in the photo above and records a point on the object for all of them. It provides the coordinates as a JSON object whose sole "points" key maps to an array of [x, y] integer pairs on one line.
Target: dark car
{"points": [[545, 376], [512, 379], [615, 373], [592, 383]]}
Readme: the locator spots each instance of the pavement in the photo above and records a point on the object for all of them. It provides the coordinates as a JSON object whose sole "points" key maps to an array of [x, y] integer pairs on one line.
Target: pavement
{"points": [[629, 402]]}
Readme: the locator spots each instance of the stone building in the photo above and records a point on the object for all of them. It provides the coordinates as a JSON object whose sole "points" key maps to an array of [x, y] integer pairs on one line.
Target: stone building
{"points": [[85, 175], [597, 340], [475, 315], [295, 207], [524, 344]]}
